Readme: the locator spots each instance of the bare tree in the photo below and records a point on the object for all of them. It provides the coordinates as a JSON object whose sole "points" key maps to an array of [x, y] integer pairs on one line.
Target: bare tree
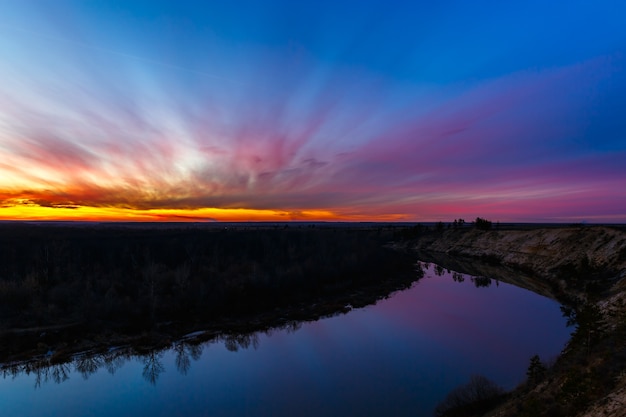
{"points": [[477, 391]]}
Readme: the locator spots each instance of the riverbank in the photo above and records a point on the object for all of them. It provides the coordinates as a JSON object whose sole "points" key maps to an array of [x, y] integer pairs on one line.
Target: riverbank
{"points": [[58, 343], [68, 289], [583, 267]]}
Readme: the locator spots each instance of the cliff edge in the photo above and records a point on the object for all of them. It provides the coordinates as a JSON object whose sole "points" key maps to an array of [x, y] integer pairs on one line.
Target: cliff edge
{"points": [[584, 267]]}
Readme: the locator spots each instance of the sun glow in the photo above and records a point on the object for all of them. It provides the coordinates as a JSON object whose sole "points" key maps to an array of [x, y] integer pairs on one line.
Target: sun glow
{"points": [[149, 119], [23, 209]]}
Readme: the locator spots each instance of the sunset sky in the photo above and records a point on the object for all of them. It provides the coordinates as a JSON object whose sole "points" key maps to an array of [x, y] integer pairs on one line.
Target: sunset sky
{"points": [[321, 110]]}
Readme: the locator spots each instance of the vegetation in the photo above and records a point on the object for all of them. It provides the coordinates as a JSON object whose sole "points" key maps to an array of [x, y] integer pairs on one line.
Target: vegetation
{"points": [[586, 372], [129, 279], [482, 224], [536, 371], [137, 279], [586, 276], [472, 399], [588, 369], [458, 223], [581, 267]]}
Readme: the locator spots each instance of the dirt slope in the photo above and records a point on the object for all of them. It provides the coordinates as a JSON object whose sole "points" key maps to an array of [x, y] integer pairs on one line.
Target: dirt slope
{"points": [[543, 252], [582, 263]]}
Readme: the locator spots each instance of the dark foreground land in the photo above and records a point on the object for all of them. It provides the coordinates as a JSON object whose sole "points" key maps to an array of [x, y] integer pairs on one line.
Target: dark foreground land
{"points": [[70, 287], [67, 288]]}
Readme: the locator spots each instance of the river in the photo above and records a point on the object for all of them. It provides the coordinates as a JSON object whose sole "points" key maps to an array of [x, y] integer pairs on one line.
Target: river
{"points": [[398, 357]]}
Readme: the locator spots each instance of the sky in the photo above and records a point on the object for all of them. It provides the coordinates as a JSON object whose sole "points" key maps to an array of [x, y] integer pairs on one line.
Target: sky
{"points": [[326, 110]]}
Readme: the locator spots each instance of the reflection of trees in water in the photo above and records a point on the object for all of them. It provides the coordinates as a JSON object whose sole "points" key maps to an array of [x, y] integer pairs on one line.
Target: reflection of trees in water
{"points": [[115, 359], [195, 350], [478, 281], [88, 364], [292, 327], [49, 368], [289, 327], [481, 282], [152, 366], [56, 373], [182, 358], [42, 369], [458, 277], [60, 372], [234, 342]]}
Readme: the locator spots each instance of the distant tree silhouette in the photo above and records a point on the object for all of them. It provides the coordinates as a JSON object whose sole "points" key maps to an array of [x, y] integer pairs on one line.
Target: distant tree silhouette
{"points": [[482, 224], [99, 278]]}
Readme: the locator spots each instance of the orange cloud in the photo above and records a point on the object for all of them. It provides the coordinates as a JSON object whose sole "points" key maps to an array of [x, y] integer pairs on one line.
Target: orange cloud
{"points": [[22, 209]]}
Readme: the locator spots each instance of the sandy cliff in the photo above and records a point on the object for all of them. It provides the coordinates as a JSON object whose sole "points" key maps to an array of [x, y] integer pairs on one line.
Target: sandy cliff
{"points": [[582, 264], [541, 249], [543, 252]]}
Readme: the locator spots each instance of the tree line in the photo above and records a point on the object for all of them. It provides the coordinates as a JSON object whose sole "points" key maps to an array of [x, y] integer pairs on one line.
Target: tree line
{"points": [[132, 278]]}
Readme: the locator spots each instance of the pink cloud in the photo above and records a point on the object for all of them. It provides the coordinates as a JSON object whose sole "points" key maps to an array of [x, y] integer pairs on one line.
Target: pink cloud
{"points": [[509, 148]]}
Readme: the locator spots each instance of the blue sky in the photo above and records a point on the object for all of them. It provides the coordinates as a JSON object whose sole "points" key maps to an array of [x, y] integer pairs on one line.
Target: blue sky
{"points": [[324, 110]]}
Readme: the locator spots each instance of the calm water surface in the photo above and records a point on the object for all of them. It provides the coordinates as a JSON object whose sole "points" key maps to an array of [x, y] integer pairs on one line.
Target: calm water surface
{"points": [[399, 357]]}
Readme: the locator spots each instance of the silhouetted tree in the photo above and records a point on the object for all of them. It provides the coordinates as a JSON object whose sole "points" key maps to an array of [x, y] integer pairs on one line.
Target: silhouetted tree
{"points": [[536, 370], [468, 399], [482, 224]]}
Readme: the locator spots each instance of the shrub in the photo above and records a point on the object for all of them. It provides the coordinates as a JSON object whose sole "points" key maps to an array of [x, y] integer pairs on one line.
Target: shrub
{"points": [[477, 396]]}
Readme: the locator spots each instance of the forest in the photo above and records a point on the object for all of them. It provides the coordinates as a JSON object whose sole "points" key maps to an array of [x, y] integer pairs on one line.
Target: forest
{"points": [[95, 278]]}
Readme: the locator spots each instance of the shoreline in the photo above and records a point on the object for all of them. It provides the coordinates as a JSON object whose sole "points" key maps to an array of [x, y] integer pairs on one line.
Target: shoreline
{"points": [[583, 268], [61, 341]]}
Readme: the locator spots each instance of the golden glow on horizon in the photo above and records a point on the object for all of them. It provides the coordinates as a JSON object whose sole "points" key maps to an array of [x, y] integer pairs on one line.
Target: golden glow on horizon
{"points": [[29, 211]]}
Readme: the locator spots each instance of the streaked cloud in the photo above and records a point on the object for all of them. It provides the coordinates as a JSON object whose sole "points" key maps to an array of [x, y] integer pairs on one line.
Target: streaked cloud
{"points": [[183, 122]]}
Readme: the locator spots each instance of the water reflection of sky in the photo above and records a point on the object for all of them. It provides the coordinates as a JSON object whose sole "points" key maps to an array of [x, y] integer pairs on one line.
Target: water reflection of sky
{"points": [[399, 357]]}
